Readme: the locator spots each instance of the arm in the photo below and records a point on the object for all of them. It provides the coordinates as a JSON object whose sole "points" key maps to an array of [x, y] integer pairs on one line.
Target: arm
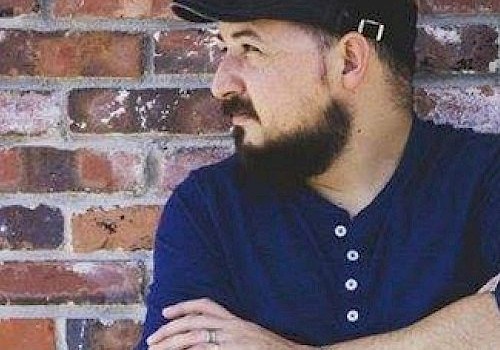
{"points": [[468, 324]]}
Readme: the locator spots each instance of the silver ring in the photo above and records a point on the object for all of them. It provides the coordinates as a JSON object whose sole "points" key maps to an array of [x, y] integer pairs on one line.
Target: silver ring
{"points": [[212, 336]]}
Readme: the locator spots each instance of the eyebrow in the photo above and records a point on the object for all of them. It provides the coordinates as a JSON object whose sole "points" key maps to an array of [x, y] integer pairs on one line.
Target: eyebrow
{"points": [[242, 33]]}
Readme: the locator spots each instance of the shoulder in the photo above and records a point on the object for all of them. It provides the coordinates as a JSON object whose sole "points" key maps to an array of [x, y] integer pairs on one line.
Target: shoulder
{"points": [[211, 186], [211, 178], [471, 151]]}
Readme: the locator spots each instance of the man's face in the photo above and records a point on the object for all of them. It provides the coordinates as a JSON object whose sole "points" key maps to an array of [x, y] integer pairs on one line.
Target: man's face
{"points": [[272, 82]]}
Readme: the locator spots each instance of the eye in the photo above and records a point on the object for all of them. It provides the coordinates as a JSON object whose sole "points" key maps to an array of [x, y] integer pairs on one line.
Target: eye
{"points": [[250, 48]]}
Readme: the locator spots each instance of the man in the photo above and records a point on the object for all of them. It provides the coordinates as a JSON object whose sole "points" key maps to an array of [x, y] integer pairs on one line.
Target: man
{"points": [[343, 221]]}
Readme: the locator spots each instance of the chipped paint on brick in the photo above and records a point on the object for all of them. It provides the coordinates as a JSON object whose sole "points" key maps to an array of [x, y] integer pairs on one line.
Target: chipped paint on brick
{"points": [[84, 268], [474, 107], [29, 113], [444, 35]]}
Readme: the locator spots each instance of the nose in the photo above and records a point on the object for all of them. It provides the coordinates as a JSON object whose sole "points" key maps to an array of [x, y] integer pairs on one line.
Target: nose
{"points": [[226, 82]]}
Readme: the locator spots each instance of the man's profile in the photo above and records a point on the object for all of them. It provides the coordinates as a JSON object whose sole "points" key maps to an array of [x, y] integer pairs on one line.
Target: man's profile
{"points": [[343, 221]]}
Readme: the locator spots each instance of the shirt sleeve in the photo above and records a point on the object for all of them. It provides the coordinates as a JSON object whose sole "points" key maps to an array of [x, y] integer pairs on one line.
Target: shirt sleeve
{"points": [[187, 259], [490, 221]]}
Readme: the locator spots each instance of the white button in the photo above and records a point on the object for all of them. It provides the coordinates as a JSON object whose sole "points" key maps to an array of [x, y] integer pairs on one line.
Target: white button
{"points": [[352, 316], [351, 284], [352, 255], [340, 231]]}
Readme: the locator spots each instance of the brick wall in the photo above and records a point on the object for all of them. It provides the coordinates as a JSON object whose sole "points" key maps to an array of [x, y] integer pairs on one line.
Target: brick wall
{"points": [[104, 107]]}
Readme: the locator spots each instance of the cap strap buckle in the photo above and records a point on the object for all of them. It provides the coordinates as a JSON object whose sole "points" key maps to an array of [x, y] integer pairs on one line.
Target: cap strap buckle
{"points": [[380, 31]]}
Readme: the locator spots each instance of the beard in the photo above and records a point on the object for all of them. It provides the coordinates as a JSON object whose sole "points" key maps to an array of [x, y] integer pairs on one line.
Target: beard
{"points": [[291, 159]]}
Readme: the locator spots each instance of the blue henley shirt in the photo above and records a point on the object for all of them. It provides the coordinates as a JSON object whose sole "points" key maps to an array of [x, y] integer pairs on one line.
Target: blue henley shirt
{"points": [[302, 267]]}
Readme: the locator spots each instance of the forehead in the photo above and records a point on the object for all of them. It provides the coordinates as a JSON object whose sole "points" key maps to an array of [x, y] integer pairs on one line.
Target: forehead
{"points": [[275, 32]]}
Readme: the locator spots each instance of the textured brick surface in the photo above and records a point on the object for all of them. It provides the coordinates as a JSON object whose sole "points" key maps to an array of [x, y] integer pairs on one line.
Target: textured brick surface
{"points": [[135, 111], [121, 228], [94, 335], [44, 169], [459, 6], [444, 49], [36, 334], [113, 171], [30, 113], [177, 165], [48, 170], [70, 54], [474, 107], [113, 8], [25, 228], [11, 171], [186, 51], [33, 283], [9, 8]]}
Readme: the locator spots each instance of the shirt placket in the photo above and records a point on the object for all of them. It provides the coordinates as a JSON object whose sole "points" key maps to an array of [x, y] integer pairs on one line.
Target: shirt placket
{"points": [[351, 284]]}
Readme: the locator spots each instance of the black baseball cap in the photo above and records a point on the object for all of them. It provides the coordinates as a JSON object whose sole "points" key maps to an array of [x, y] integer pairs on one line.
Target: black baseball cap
{"points": [[392, 22]]}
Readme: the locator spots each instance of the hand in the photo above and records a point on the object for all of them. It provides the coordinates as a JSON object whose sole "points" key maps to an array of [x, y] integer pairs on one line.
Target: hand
{"points": [[191, 320]]}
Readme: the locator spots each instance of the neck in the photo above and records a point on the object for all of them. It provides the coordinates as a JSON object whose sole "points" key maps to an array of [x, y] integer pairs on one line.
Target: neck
{"points": [[367, 163]]}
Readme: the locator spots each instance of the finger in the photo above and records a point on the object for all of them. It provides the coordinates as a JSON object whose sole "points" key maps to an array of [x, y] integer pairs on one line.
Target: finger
{"points": [[185, 324], [183, 340], [206, 347], [205, 306]]}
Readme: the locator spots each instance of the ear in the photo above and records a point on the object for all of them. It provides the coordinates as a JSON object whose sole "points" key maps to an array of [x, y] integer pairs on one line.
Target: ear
{"points": [[356, 52]]}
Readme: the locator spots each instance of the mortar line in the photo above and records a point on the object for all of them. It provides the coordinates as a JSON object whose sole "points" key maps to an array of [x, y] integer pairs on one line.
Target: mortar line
{"points": [[58, 256], [156, 81], [126, 25], [60, 333], [453, 19], [454, 80], [135, 312]]}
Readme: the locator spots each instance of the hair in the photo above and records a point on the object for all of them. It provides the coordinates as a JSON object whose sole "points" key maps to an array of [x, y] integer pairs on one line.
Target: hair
{"points": [[399, 71]]}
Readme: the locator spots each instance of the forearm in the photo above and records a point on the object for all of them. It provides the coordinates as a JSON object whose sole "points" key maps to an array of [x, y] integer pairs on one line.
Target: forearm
{"points": [[468, 324]]}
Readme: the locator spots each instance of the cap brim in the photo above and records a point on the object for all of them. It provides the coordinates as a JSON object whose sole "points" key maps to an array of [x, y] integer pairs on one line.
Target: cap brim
{"points": [[193, 12], [205, 11]]}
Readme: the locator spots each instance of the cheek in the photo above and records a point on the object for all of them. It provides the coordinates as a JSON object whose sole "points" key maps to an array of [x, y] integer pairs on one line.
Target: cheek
{"points": [[284, 98]]}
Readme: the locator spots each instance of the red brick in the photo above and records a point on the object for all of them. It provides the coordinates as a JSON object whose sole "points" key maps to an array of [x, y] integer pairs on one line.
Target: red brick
{"points": [[25, 228], [467, 48], [113, 8], [177, 165], [458, 6], [474, 107], [137, 111], [9, 8], [45, 169], [79, 282], [30, 113], [48, 170], [112, 171], [92, 54], [11, 171], [17, 334], [94, 335], [129, 229], [186, 51]]}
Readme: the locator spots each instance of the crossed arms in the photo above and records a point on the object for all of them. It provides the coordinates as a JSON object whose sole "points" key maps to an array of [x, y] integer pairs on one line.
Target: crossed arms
{"points": [[470, 323]]}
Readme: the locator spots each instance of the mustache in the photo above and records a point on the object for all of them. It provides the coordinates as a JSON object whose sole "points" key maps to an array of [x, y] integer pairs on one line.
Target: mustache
{"points": [[236, 105]]}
